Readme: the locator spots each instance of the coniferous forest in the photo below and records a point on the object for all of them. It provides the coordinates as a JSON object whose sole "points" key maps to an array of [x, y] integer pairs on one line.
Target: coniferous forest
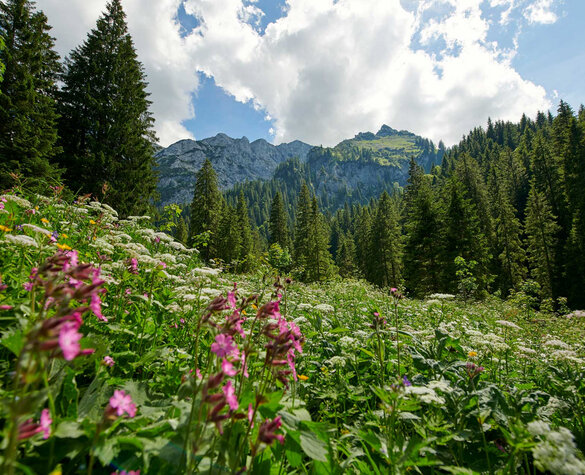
{"points": [[277, 326]]}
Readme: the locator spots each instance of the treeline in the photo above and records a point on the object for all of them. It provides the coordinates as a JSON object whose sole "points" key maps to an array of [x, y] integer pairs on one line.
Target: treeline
{"points": [[504, 212], [84, 121]]}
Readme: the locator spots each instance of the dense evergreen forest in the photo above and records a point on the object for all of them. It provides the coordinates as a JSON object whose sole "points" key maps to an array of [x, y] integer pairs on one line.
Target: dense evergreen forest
{"points": [[505, 212]]}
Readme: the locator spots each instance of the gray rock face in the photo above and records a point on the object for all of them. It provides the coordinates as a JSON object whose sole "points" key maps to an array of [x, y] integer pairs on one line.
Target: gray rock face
{"points": [[234, 160]]}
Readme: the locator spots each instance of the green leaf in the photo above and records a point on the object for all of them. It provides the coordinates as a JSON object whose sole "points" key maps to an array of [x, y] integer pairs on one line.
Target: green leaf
{"points": [[313, 447], [69, 430], [13, 340]]}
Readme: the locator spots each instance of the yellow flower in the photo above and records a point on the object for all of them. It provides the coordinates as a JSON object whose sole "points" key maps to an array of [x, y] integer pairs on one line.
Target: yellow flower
{"points": [[63, 235], [37, 208], [91, 221], [472, 354], [254, 306], [302, 377], [64, 247], [57, 471], [344, 431], [6, 229], [44, 220]]}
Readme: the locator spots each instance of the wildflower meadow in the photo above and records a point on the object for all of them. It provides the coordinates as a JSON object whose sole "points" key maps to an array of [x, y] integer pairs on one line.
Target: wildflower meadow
{"points": [[123, 354]]}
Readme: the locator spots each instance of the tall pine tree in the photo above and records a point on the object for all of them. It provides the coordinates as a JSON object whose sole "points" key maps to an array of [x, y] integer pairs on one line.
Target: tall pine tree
{"points": [[206, 209], [106, 126], [28, 117], [278, 226]]}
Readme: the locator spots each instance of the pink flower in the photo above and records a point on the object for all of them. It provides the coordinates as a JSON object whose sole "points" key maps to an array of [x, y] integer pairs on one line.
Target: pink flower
{"points": [[96, 306], [232, 299], [69, 340], [224, 346], [28, 286], [228, 368], [198, 374], [230, 395], [45, 423], [161, 265], [267, 430], [122, 403], [6, 307], [109, 361], [270, 309]]}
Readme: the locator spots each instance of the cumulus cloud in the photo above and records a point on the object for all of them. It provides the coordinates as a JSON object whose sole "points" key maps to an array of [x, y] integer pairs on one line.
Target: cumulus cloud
{"points": [[541, 11], [328, 69], [169, 66]]}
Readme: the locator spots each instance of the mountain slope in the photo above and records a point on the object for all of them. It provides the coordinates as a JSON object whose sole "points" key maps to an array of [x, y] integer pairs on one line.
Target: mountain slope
{"points": [[234, 160]]}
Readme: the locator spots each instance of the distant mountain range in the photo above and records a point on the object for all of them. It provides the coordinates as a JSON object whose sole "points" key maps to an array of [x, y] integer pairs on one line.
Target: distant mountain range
{"points": [[367, 164], [234, 161]]}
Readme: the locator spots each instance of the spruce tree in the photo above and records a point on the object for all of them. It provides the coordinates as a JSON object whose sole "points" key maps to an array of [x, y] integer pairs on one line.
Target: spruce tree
{"points": [[227, 239], [424, 239], [28, 117], [206, 209], [245, 233], [106, 126], [303, 228], [463, 237], [278, 226], [318, 263], [386, 244], [541, 231]]}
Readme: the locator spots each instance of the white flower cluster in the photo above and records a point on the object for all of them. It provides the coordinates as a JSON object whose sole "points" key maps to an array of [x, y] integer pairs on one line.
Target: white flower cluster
{"points": [[336, 361], [507, 323], [555, 451], [17, 200], [425, 394], [325, 308]]}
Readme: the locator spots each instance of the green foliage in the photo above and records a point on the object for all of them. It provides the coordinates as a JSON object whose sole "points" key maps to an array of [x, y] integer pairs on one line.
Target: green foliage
{"points": [[206, 208], [382, 386], [106, 126], [28, 117]]}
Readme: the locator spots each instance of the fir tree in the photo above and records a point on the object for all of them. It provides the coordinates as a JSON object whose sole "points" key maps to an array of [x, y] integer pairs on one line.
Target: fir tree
{"points": [[541, 230], [303, 228], [463, 237], [28, 117], [245, 233], [386, 244], [346, 257], [181, 233], [227, 239], [278, 226], [206, 209], [318, 264], [424, 240], [106, 125]]}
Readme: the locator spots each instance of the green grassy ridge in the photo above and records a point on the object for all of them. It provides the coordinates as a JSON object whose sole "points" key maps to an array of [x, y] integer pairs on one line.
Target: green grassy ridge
{"points": [[348, 412]]}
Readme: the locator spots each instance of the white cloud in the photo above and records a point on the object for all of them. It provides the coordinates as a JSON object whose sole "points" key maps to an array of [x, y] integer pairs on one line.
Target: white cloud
{"points": [[329, 69], [169, 67], [541, 12]]}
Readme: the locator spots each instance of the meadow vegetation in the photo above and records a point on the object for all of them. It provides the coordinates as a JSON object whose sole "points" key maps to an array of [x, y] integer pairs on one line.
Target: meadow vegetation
{"points": [[123, 353]]}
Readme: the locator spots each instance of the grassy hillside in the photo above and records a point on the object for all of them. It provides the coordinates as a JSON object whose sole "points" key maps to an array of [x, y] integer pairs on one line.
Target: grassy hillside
{"points": [[121, 352]]}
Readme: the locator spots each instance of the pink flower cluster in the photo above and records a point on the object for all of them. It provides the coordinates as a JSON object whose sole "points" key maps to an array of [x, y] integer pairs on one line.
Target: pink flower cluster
{"points": [[29, 428], [64, 280], [284, 345]]}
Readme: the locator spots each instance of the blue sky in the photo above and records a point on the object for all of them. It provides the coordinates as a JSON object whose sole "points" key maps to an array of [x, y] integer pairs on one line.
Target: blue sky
{"points": [[550, 55], [323, 70]]}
